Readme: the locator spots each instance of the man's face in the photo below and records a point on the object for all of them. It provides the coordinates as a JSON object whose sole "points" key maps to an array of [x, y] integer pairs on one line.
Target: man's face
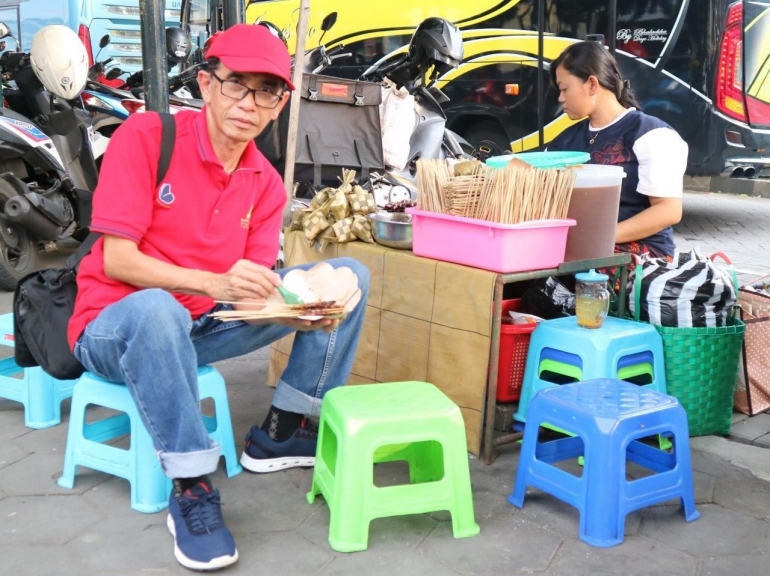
{"points": [[241, 120]]}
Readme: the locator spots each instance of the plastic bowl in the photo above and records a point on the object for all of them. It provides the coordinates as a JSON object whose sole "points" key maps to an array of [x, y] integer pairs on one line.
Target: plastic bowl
{"points": [[542, 159], [392, 229]]}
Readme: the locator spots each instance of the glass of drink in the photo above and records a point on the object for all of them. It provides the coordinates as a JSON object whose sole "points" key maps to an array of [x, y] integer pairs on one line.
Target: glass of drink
{"points": [[592, 300]]}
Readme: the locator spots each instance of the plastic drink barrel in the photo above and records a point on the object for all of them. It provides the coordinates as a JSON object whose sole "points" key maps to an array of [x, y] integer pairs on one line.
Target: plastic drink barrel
{"points": [[594, 205]]}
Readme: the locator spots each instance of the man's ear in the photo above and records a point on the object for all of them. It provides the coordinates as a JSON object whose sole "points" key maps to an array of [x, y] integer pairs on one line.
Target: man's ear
{"points": [[204, 83], [277, 110]]}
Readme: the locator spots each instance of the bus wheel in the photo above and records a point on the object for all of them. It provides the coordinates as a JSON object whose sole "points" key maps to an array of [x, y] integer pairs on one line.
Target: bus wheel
{"points": [[489, 139]]}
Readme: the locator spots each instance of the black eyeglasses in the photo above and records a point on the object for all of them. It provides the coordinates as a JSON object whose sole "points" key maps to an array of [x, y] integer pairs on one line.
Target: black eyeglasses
{"points": [[263, 97]]}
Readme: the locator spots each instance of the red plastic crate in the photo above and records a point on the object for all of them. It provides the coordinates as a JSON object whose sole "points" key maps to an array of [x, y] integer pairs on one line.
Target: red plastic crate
{"points": [[514, 344]]}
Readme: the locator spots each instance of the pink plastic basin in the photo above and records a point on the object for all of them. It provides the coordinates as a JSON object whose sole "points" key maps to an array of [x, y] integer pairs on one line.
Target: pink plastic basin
{"points": [[504, 248]]}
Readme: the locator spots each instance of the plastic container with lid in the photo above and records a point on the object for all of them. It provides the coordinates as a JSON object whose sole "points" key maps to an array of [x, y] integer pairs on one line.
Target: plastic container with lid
{"points": [[594, 206], [541, 159], [592, 299]]}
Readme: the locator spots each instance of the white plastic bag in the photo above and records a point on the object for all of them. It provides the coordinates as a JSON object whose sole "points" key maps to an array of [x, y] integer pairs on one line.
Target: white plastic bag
{"points": [[397, 121]]}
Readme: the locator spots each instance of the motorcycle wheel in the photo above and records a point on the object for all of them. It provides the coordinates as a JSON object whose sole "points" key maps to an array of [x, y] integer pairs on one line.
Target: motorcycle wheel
{"points": [[15, 262], [490, 136]]}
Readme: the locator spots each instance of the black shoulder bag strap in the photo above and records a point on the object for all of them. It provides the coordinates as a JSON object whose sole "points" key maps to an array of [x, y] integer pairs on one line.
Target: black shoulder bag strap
{"points": [[167, 140]]}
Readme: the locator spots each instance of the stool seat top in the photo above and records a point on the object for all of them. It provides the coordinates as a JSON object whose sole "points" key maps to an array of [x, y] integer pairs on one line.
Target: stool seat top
{"points": [[397, 400], [611, 328], [608, 398]]}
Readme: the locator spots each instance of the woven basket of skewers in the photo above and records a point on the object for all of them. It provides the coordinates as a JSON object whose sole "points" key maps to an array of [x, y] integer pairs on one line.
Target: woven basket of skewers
{"points": [[501, 219]]}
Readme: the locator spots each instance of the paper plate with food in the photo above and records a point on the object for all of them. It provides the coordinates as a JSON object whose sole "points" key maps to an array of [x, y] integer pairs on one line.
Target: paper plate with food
{"points": [[320, 292]]}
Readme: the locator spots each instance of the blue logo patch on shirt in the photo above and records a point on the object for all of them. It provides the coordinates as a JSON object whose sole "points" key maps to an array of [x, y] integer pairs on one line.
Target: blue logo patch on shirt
{"points": [[165, 196]]}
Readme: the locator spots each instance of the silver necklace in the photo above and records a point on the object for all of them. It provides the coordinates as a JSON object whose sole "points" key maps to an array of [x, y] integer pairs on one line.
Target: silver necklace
{"points": [[591, 140]]}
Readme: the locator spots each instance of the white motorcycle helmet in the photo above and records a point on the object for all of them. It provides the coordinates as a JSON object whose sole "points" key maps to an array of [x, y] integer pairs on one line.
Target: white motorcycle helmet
{"points": [[59, 60]]}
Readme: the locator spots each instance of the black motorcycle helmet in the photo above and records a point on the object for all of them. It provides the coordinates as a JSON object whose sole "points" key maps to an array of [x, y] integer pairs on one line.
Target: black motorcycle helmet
{"points": [[436, 42], [178, 46], [274, 30]]}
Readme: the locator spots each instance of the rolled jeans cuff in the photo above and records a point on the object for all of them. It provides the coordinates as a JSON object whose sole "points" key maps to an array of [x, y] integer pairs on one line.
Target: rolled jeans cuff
{"points": [[288, 398], [190, 464]]}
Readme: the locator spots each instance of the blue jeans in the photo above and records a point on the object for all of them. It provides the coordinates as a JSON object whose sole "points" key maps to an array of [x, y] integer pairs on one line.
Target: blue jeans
{"points": [[149, 342]]}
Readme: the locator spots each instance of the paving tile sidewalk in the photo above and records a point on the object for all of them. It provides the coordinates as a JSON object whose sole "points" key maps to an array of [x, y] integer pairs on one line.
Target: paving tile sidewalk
{"points": [[91, 530]]}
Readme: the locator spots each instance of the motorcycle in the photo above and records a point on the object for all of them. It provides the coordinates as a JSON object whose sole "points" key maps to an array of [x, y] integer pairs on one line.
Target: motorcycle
{"points": [[48, 168], [435, 48], [111, 100]]}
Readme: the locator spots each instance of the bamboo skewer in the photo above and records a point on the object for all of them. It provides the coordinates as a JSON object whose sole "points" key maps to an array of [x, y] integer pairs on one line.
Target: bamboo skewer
{"points": [[508, 196]]}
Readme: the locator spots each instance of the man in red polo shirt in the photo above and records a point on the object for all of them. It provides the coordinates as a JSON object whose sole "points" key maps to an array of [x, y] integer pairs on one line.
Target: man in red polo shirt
{"points": [[209, 232]]}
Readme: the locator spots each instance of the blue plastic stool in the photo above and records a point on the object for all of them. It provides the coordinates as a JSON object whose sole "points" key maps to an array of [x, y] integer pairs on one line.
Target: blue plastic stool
{"points": [[599, 353], [40, 393], [139, 464], [607, 417]]}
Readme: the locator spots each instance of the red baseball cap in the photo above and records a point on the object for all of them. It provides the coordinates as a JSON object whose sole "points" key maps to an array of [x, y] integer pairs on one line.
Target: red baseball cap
{"points": [[252, 48]]}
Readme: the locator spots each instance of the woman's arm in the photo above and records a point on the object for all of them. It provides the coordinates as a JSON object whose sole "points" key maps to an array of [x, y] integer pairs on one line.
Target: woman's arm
{"points": [[662, 213]]}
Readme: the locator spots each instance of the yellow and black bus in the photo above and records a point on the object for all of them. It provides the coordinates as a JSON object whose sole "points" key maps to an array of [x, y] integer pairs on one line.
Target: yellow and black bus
{"points": [[703, 66]]}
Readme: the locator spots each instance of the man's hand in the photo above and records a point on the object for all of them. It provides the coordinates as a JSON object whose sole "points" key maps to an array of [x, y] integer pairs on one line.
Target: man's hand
{"points": [[245, 280]]}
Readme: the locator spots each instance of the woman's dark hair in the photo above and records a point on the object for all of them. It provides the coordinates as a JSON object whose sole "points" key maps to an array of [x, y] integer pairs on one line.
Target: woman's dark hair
{"points": [[585, 59]]}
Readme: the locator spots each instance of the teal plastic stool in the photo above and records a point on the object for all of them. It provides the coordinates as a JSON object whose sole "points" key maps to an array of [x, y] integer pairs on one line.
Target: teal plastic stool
{"points": [[597, 353], [608, 418], [364, 425], [138, 464], [40, 393]]}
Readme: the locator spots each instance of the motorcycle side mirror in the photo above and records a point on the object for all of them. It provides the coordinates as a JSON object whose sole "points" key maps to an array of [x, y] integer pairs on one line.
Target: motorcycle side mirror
{"points": [[104, 41], [326, 25], [329, 21], [5, 31], [113, 73]]}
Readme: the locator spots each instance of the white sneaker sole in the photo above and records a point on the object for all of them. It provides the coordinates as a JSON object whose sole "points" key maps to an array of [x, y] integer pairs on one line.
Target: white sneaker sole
{"points": [[261, 465], [213, 564]]}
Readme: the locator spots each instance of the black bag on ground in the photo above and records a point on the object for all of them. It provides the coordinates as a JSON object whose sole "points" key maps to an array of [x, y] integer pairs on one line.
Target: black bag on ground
{"points": [[43, 301], [339, 127]]}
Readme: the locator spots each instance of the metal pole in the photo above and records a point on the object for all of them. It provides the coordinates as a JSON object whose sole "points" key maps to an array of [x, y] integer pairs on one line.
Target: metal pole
{"points": [[233, 12], [291, 139], [613, 25], [155, 72], [540, 71]]}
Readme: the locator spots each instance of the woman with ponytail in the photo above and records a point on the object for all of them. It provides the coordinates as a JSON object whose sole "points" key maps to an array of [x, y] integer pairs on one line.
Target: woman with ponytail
{"points": [[615, 131]]}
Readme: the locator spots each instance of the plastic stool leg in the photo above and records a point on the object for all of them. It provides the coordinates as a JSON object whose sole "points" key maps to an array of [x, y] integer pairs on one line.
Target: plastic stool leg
{"points": [[683, 460], [150, 488], [601, 523], [526, 455], [456, 463], [220, 426], [348, 526], [74, 433], [43, 409]]}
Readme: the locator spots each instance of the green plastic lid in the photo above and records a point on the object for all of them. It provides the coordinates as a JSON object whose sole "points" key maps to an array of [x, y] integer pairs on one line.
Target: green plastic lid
{"points": [[542, 159], [591, 276]]}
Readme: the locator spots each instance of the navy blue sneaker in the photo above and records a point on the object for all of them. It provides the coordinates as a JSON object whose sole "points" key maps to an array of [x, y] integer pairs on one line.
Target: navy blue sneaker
{"points": [[263, 454], [201, 539]]}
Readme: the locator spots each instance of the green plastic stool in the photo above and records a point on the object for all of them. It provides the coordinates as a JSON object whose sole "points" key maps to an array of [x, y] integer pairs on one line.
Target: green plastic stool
{"points": [[368, 424]]}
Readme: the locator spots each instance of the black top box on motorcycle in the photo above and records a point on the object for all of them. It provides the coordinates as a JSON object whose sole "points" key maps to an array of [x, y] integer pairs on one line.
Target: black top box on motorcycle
{"points": [[339, 127]]}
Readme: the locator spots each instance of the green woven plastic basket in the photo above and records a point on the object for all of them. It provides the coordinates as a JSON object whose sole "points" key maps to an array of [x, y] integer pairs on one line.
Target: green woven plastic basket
{"points": [[701, 367]]}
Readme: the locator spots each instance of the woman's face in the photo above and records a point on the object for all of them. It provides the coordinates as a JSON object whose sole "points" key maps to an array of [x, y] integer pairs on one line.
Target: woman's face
{"points": [[575, 95]]}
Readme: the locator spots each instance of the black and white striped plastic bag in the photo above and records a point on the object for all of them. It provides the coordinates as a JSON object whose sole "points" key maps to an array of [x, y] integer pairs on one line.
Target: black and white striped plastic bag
{"points": [[690, 292]]}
